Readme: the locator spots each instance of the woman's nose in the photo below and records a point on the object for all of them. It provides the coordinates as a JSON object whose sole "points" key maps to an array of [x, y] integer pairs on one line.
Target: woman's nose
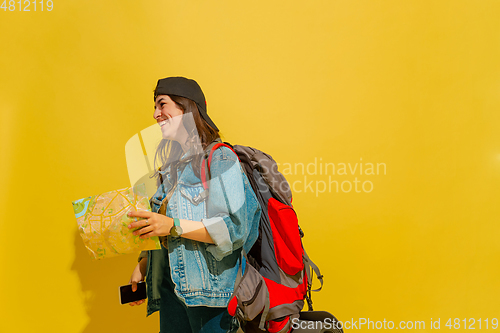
{"points": [[157, 114]]}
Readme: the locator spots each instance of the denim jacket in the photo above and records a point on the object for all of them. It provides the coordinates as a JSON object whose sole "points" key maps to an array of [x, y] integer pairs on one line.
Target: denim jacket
{"points": [[203, 273]]}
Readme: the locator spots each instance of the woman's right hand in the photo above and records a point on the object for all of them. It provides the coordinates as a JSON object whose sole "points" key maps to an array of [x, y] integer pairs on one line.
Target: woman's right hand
{"points": [[138, 275]]}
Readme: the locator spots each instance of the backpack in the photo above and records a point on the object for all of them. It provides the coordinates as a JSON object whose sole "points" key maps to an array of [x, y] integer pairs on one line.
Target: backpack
{"points": [[276, 275]]}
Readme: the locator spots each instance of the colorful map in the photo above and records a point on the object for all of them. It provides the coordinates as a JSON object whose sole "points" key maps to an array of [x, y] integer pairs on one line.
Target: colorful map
{"points": [[103, 222]]}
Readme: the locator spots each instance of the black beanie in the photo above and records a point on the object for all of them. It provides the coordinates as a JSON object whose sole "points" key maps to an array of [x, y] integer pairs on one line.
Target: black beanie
{"points": [[181, 86]]}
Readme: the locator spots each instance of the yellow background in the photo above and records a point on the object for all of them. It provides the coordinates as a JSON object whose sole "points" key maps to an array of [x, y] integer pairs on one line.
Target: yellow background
{"points": [[413, 84]]}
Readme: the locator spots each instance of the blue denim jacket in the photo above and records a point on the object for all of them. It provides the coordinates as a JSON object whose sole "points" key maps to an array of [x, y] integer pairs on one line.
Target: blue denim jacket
{"points": [[204, 274]]}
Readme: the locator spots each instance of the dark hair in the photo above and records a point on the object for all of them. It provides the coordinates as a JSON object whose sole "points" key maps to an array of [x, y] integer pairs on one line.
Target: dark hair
{"points": [[170, 151]]}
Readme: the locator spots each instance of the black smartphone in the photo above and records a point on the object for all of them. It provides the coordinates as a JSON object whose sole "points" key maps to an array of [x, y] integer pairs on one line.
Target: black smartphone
{"points": [[127, 295]]}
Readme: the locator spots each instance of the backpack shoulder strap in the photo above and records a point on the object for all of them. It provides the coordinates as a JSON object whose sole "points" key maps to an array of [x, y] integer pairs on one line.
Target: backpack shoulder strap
{"points": [[207, 158]]}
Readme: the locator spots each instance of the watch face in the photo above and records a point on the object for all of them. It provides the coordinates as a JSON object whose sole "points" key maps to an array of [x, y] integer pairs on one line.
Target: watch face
{"points": [[176, 231]]}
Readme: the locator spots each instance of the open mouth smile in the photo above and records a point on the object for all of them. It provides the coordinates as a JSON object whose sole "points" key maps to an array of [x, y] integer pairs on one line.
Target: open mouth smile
{"points": [[162, 123]]}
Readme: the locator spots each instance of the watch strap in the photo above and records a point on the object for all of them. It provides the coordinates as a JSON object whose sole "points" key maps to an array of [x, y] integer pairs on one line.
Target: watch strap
{"points": [[176, 230]]}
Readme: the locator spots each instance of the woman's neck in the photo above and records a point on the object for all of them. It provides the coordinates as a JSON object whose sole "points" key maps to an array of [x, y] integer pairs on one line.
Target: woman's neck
{"points": [[182, 138]]}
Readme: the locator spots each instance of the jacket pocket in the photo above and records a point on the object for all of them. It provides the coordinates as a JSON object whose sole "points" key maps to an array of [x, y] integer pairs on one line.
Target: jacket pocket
{"points": [[190, 205], [192, 194]]}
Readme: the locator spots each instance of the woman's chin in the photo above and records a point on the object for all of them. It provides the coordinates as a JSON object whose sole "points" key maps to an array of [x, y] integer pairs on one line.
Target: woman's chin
{"points": [[167, 135]]}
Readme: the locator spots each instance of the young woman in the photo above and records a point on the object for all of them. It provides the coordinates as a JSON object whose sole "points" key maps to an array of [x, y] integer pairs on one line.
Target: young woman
{"points": [[191, 279]]}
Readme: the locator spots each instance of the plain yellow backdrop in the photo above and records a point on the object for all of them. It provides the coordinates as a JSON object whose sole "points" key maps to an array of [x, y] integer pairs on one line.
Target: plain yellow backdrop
{"points": [[412, 84]]}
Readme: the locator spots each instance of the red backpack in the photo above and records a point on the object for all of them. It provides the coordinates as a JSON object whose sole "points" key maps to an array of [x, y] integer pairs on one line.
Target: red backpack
{"points": [[270, 290]]}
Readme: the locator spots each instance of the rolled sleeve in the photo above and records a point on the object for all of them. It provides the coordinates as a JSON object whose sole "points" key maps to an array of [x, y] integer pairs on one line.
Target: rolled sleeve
{"points": [[231, 208], [218, 231]]}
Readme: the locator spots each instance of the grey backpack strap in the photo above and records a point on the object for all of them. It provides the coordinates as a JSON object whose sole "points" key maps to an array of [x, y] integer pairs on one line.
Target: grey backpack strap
{"points": [[310, 268]]}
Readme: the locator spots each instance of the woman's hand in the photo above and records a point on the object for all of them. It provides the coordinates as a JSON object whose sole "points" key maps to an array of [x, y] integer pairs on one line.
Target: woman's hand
{"points": [[153, 224], [138, 275]]}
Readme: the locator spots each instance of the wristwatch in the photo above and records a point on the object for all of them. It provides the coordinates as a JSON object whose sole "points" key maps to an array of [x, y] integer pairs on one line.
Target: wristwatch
{"points": [[176, 230]]}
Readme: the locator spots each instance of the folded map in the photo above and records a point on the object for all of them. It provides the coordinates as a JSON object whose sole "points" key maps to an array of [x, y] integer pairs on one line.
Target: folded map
{"points": [[103, 222]]}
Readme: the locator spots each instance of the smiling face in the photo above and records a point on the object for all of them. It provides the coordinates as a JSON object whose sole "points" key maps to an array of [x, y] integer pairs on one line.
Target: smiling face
{"points": [[169, 116]]}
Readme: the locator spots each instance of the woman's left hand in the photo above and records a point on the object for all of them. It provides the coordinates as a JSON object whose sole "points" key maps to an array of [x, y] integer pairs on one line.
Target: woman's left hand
{"points": [[153, 224]]}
